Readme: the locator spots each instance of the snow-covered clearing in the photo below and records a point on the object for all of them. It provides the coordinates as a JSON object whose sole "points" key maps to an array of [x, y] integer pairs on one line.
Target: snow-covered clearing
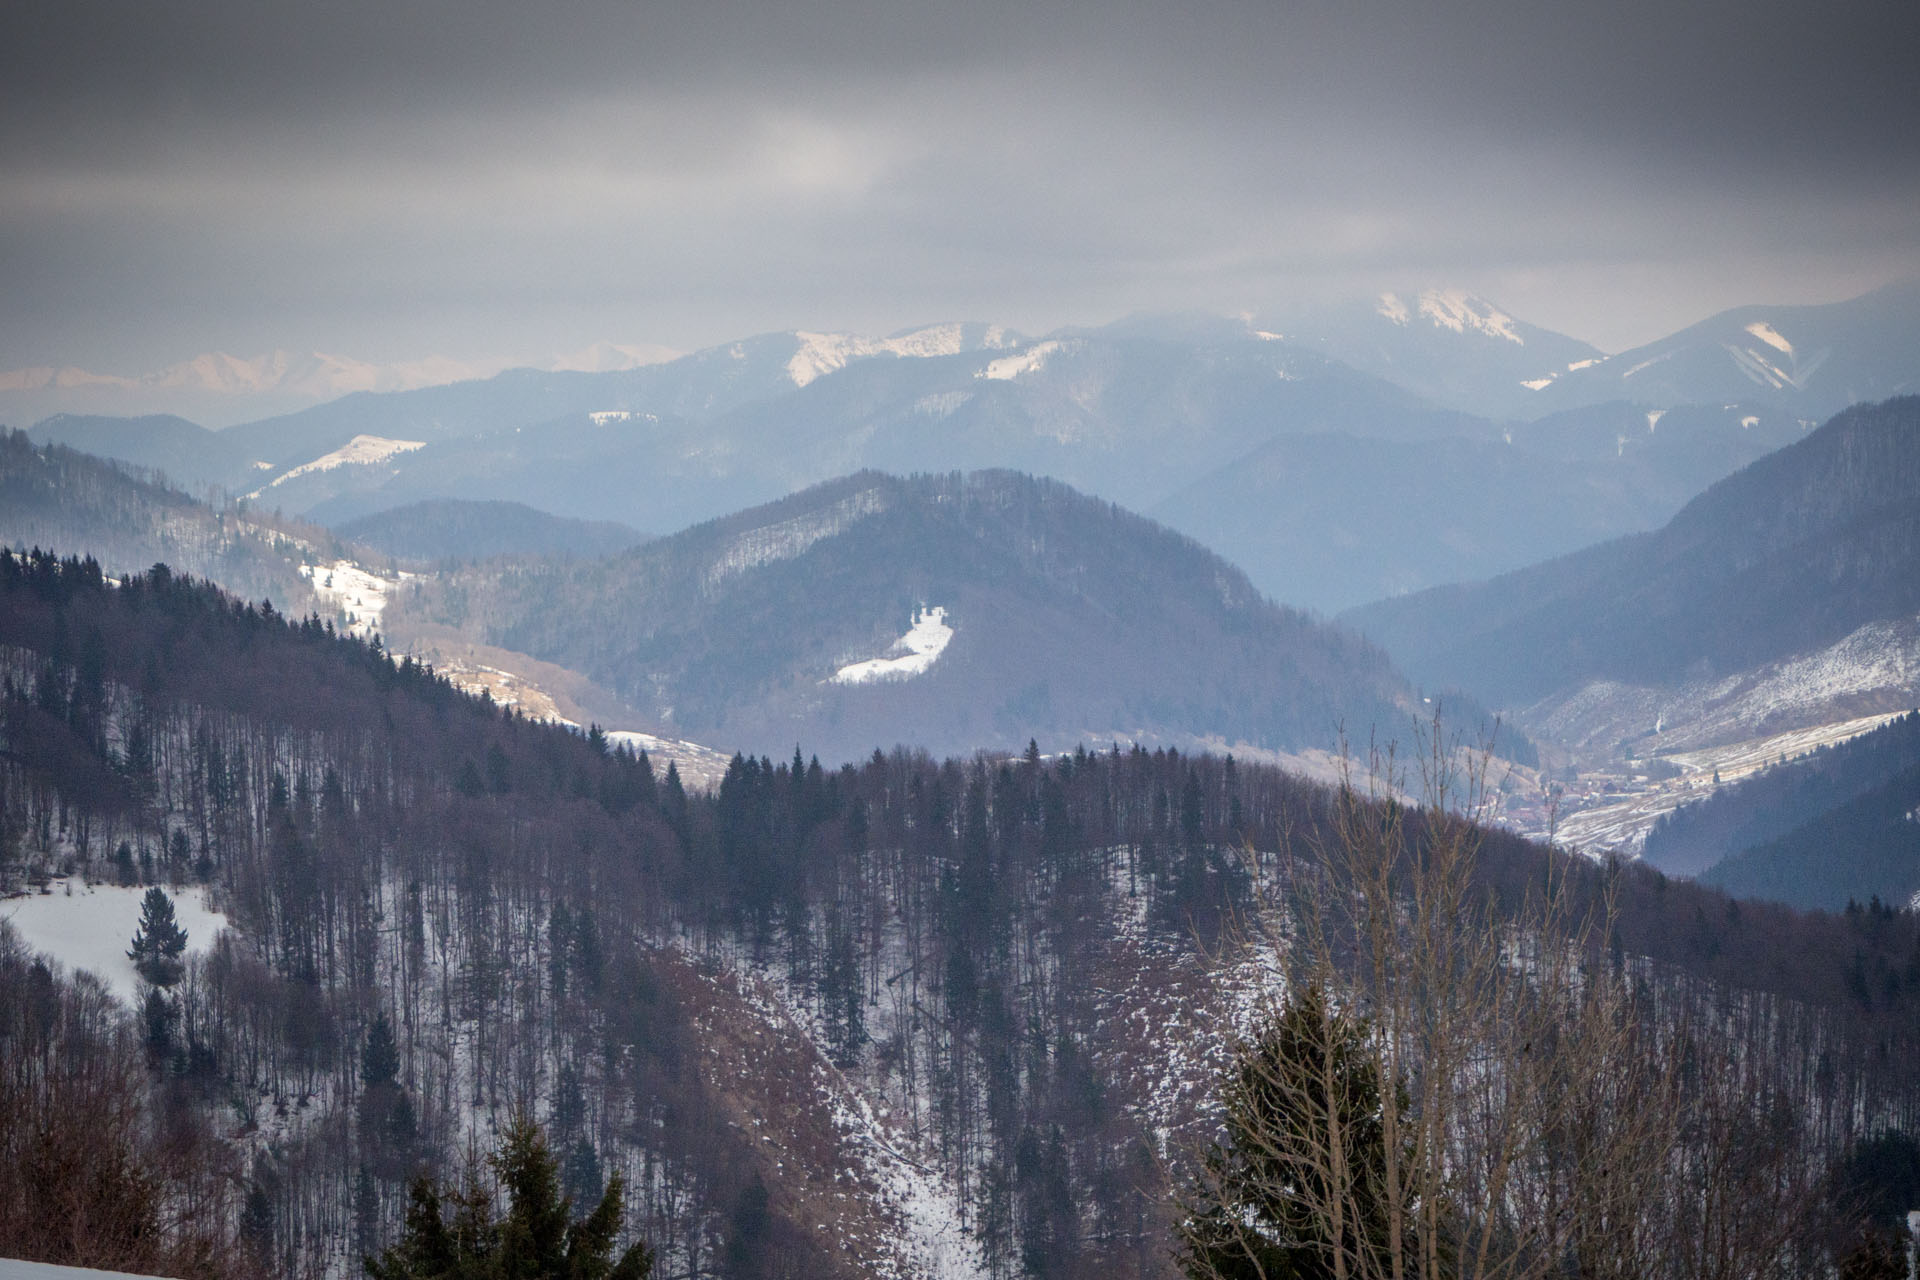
{"points": [[360, 596], [1771, 336], [90, 926], [701, 768], [912, 654], [1031, 360], [360, 451]]}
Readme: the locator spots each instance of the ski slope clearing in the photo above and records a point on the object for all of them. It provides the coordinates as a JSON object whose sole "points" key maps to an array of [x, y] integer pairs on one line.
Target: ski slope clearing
{"points": [[359, 595], [911, 655], [360, 451], [89, 926]]}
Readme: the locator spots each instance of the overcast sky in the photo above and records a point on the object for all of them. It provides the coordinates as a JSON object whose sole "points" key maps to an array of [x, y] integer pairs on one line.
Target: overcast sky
{"points": [[392, 179]]}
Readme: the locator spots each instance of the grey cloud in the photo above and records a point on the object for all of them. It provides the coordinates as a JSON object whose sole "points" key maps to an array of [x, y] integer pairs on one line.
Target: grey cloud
{"points": [[221, 173]]}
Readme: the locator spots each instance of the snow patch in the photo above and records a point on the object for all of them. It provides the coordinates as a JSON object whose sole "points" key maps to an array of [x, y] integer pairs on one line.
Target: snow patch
{"points": [[360, 596], [360, 451], [1749, 422], [90, 927], [1461, 312], [1771, 336], [1008, 368], [824, 353], [1538, 384], [1653, 419], [789, 538], [601, 417], [911, 655], [1588, 363], [1393, 309]]}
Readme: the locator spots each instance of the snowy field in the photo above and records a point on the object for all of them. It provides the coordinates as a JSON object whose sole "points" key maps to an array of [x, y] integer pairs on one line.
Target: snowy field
{"points": [[360, 596], [912, 654], [89, 927]]}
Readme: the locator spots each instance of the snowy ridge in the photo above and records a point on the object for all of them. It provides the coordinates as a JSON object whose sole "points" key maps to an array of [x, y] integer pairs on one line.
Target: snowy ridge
{"points": [[1454, 310], [362, 450], [1874, 669], [789, 538], [1031, 360], [911, 655], [823, 353]]}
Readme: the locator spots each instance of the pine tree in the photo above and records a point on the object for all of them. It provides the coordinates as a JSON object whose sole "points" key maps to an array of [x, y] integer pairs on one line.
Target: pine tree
{"points": [[538, 1239], [159, 942], [380, 1060], [1262, 1204]]}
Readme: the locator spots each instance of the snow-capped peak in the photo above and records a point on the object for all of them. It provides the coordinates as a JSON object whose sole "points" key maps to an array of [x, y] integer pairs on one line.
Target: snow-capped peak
{"points": [[823, 353], [1461, 312], [1393, 309]]}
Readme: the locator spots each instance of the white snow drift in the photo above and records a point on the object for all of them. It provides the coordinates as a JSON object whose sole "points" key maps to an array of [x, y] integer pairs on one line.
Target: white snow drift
{"points": [[912, 654]]}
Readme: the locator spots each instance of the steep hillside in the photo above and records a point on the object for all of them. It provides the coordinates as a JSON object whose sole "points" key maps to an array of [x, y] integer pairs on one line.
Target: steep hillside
{"points": [[899, 1019], [952, 612], [1803, 550], [54, 497], [185, 452], [1333, 520], [451, 529], [1865, 850], [1816, 831]]}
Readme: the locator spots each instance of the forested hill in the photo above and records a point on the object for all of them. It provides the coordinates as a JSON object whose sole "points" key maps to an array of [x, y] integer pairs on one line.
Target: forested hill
{"points": [[1065, 619], [1839, 826], [129, 520], [887, 1019], [456, 529], [1793, 553]]}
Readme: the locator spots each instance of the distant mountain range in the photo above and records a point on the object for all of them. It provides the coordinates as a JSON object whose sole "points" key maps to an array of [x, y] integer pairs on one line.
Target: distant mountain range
{"points": [[1808, 360], [1344, 455], [1790, 590], [221, 389], [953, 612]]}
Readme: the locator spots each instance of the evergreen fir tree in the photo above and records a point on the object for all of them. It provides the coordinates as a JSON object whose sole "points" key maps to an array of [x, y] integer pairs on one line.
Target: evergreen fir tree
{"points": [[538, 1239], [1260, 1209], [159, 942]]}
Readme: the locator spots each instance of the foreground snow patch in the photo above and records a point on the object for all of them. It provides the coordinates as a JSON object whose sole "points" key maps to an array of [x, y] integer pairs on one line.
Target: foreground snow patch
{"points": [[90, 927], [910, 655]]}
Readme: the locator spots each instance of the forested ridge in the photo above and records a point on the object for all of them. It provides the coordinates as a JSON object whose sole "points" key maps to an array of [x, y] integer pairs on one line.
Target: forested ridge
{"points": [[1070, 616], [1819, 831], [1786, 556], [799, 1014]]}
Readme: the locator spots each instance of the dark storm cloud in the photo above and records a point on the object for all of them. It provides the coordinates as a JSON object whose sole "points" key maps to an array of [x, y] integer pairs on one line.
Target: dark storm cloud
{"points": [[407, 174]]}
